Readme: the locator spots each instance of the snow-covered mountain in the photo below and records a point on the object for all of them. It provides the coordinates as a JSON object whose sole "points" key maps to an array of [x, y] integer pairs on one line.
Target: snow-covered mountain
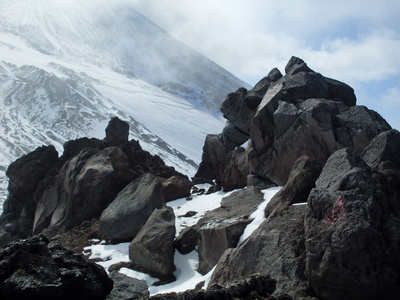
{"points": [[66, 67]]}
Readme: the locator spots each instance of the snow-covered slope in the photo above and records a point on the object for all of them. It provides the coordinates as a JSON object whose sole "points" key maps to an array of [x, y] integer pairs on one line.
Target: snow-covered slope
{"points": [[66, 67]]}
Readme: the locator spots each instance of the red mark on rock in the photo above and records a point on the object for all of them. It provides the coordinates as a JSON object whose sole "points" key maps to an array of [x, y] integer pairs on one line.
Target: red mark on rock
{"points": [[336, 213]]}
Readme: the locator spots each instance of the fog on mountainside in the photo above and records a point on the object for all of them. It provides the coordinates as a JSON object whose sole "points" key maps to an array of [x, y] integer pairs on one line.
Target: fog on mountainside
{"points": [[65, 69]]}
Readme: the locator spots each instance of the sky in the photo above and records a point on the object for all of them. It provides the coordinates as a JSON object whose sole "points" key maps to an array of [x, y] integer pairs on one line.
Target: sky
{"points": [[357, 42]]}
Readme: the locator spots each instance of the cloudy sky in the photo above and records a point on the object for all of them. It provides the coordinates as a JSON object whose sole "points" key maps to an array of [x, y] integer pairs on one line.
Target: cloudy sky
{"points": [[357, 42]]}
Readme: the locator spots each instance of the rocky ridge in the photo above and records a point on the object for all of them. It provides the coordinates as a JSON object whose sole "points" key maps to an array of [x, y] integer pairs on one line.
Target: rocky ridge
{"points": [[331, 232]]}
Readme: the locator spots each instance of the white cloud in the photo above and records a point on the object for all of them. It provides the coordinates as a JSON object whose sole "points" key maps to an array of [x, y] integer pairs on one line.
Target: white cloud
{"points": [[354, 41]]}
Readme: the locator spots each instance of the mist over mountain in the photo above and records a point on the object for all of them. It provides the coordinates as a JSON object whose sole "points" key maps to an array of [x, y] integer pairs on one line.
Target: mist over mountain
{"points": [[65, 69]]}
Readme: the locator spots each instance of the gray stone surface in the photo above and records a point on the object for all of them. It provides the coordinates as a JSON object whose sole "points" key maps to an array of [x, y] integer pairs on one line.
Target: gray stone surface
{"points": [[127, 214], [276, 249], [221, 228], [152, 250], [351, 231], [301, 180], [127, 288]]}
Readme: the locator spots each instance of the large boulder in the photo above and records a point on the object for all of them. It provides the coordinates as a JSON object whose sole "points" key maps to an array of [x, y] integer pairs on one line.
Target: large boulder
{"points": [[176, 187], [301, 180], [239, 115], [127, 288], [152, 250], [39, 269], [351, 227], [214, 158], [276, 249], [85, 186], [222, 228], [126, 215], [236, 171], [24, 175]]}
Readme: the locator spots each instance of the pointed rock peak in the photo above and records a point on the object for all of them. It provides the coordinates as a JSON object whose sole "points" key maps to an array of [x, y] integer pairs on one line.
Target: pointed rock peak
{"points": [[117, 132], [296, 65], [274, 75]]}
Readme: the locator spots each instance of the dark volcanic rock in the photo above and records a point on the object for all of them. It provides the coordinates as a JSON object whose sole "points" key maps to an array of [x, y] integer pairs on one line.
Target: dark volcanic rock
{"points": [[186, 241], [117, 132], [229, 168], [214, 159], [152, 250], [351, 229], [239, 115], [314, 127], [252, 287], [236, 171], [85, 186], [72, 148], [176, 187], [276, 248], [221, 228], [24, 175], [256, 94], [39, 269], [127, 214], [301, 180], [127, 288]]}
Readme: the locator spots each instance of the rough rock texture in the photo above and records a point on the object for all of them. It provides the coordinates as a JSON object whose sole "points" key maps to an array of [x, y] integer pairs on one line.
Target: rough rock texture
{"points": [[52, 195], [280, 137], [229, 168], [236, 170], [117, 132], [152, 250], [221, 228], [238, 114], [127, 214], [85, 186], [214, 159], [301, 180], [176, 187], [304, 108], [300, 109], [251, 287], [351, 227], [127, 288], [39, 269], [275, 248], [25, 175]]}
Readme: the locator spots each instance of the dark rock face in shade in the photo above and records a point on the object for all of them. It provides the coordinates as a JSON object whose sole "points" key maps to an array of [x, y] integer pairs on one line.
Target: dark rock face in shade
{"points": [[39, 269]]}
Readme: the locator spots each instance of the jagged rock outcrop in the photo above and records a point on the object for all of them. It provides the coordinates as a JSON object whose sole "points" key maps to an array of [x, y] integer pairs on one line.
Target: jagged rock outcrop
{"points": [[127, 288], [25, 175], [351, 228], [221, 228], [301, 180], [52, 195], [152, 250], [276, 248], [126, 215], [301, 113], [85, 186], [39, 269]]}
